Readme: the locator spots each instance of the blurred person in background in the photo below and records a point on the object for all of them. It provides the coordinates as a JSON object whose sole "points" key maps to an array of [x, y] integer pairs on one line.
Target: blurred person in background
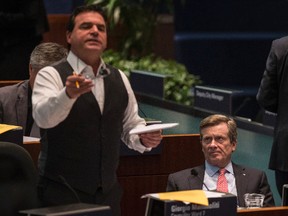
{"points": [[22, 24], [272, 96], [15, 100]]}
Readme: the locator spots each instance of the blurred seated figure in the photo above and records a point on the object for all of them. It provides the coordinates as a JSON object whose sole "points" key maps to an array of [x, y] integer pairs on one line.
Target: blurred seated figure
{"points": [[218, 134], [15, 100]]}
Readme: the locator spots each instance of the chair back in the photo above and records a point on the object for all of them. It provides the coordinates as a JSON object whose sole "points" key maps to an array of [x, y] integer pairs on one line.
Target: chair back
{"points": [[18, 180]]}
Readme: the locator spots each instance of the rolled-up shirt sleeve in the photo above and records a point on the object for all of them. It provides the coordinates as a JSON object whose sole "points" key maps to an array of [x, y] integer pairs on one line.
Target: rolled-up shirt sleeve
{"points": [[132, 120], [51, 105]]}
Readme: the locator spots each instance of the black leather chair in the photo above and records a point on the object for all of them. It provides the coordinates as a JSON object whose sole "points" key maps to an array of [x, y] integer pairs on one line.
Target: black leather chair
{"points": [[18, 180]]}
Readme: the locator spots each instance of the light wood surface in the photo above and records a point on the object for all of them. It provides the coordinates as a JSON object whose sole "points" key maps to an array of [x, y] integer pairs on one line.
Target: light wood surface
{"points": [[271, 211]]}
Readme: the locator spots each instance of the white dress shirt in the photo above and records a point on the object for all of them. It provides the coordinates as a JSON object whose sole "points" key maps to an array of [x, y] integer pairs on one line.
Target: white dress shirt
{"points": [[51, 104]]}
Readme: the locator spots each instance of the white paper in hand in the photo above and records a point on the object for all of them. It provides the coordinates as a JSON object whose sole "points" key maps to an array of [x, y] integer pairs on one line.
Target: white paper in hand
{"points": [[153, 127]]}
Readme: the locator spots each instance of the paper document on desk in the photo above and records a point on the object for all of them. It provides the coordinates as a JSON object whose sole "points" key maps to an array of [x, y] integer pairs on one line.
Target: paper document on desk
{"points": [[5, 127], [30, 140], [191, 202], [188, 196], [153, 127]]}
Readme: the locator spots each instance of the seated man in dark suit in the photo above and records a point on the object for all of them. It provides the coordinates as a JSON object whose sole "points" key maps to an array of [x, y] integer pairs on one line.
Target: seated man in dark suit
{"points": [[218, 135], [15, 100]]}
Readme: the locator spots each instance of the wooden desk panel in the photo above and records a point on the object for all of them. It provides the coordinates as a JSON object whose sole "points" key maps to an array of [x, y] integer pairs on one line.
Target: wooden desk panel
{"points": [[178, 152], [57, 29], [136, 186], [139, 175], [271, 211], [142, 174]]}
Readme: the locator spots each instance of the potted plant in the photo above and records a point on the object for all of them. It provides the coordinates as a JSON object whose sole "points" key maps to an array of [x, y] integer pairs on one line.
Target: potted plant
{"points": [[178, 84]]}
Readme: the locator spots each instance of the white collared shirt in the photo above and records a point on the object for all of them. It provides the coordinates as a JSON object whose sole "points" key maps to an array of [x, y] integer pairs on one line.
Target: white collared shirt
{"points": [[51, 104]]}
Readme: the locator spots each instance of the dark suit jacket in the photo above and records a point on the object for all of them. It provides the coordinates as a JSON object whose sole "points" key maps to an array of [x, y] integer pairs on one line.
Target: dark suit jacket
{"points": [[248, 180], [14, 104], [272, 96]]}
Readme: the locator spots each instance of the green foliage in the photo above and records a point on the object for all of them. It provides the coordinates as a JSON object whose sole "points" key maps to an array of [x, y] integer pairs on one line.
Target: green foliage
{"points": [[138, 19], [178, 84]]}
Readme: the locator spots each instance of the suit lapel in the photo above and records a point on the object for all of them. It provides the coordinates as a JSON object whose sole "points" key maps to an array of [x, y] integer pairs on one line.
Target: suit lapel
{"points": [[196, 182], [21, 105], [241, 182]]}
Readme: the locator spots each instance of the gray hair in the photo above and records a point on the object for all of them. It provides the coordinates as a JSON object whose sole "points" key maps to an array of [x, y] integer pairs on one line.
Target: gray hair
{"points": [[217, 119], [46, 54]]}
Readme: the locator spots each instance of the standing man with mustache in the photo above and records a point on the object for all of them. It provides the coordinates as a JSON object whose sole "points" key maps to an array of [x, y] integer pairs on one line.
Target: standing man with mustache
{"points": [[218, 134], [84, 107]]}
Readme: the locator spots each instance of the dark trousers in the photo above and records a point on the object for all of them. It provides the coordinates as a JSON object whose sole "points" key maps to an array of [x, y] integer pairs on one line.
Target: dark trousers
{"points": [[281, 179], [52, 193]]}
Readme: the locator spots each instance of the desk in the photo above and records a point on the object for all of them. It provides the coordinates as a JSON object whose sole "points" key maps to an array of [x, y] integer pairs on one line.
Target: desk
{"points": [[143, 174], [34, 149], [271, 211], [9, 82]]}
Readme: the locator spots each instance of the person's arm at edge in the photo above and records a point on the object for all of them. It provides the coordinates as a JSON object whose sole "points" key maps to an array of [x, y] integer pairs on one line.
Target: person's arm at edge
{"points": [[267, 95]]}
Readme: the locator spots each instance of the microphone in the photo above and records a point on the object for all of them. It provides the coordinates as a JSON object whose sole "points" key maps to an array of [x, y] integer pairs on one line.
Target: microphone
{"points": [[63, 180], [195, 173], [104, 71], [88, 73]]}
